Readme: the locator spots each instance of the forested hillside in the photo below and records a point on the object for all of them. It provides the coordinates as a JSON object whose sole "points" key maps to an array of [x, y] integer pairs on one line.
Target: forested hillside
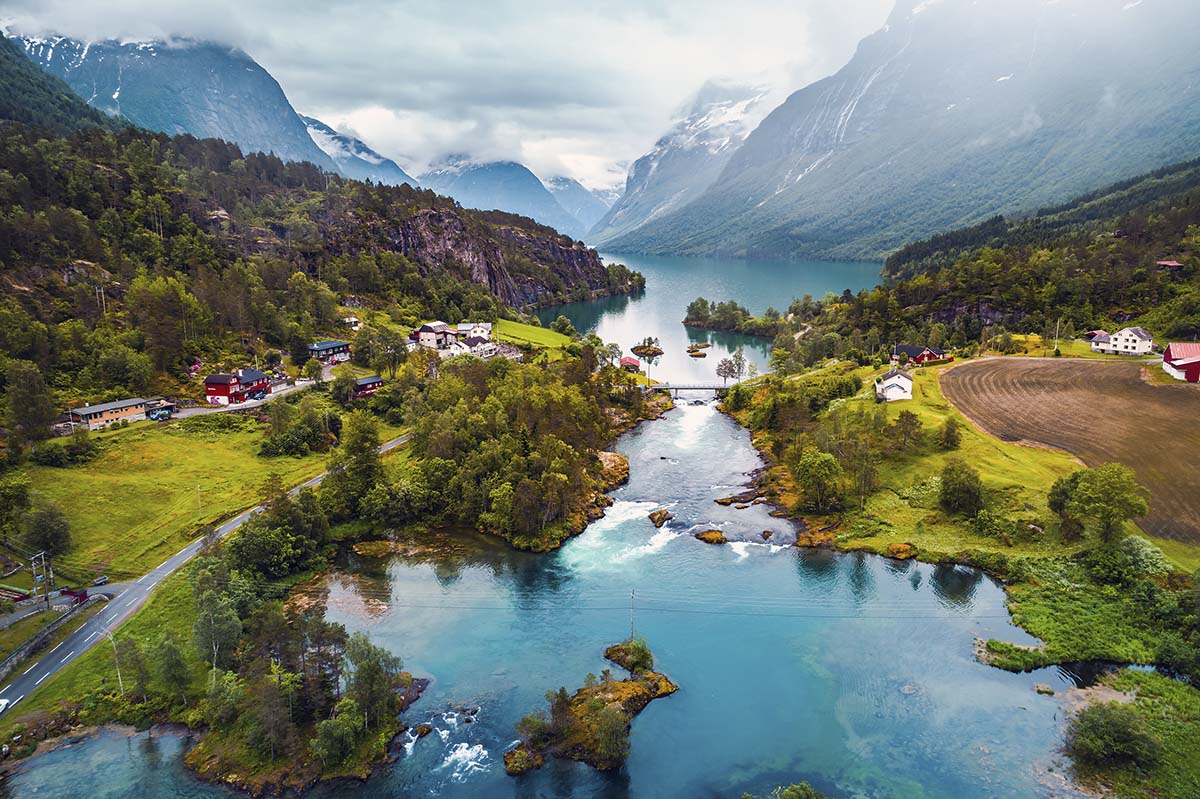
{"points": [[123, 255]]}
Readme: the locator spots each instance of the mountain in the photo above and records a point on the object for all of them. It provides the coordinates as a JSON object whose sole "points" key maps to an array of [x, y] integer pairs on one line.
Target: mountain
{"points": [[39, 100], [205, 89], [955, 111], [355, 159], [687, 159], [577, 200], [503, 185]]}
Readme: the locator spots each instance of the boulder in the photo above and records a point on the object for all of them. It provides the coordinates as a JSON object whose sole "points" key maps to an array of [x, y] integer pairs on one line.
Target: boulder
{"points": [[712, 537], [660, 517], [766, 534]]}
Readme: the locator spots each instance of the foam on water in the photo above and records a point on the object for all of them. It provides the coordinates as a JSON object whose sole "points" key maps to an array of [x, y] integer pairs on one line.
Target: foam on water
{"points": [[464, 760]]}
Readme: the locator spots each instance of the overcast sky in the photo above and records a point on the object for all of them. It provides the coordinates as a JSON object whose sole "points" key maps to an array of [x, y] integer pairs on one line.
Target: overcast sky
{"points": [[575, 88]]}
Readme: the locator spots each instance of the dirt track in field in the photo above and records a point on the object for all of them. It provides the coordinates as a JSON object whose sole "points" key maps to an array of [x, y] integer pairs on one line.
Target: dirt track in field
{"points": [[1101, 412]]}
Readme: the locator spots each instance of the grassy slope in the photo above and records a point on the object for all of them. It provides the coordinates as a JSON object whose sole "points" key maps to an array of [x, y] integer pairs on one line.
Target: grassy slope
{"points": [[517, 333], [906, 510], [137, 504]]}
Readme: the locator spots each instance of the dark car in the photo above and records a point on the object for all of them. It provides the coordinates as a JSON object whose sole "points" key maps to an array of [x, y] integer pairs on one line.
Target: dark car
{"points": [[257, 395], [101, 580]]}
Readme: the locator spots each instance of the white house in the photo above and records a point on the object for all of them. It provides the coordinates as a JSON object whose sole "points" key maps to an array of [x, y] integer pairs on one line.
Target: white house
{"points": [[433, 335], [1126, 341], [475, 330], [893, 386]]}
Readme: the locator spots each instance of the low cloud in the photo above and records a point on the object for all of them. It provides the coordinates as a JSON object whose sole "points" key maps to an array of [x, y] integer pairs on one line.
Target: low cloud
{"points": [[580, 89]]}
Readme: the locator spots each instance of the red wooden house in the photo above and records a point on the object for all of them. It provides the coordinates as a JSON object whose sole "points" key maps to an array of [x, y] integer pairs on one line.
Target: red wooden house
{"points": [[230, 389], [919, 354], [1182, 361], [366, 386], [631, 364]]}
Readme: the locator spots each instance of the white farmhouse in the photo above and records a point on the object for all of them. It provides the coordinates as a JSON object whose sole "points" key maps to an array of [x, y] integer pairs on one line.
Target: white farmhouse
{"points": [[475, 330], [1126, 341], [893, 386]]}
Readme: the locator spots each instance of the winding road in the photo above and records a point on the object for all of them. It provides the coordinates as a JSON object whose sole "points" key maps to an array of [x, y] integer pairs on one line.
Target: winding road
{"points": [[125, 599]]}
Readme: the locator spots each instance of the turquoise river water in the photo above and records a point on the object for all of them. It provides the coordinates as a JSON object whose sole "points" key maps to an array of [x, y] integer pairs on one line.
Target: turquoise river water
{"points": [[853, 672]]}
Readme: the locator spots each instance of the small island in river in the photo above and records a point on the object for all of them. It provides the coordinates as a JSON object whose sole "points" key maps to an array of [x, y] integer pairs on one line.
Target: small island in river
{"points": [[592, 725]]}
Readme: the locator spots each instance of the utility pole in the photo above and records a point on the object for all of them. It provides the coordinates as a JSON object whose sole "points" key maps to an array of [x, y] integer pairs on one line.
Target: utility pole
{"points": [[631, 628]]}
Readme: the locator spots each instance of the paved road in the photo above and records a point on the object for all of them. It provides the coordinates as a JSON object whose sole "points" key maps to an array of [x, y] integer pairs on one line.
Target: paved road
{"points": [[124, 600]]}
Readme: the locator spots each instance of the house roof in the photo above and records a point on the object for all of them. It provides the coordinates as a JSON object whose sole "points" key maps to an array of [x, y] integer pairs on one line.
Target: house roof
{"points": [[1094, 333], [912, 350], [1183, 351], [1101, 338], [1172, 264], [1138, 332], [251, 375], [433, 327], [475, 341], [368, 381], [896, 373], [468, 326], [220, 380], [109, 406], [328, 345], [627, 361]]}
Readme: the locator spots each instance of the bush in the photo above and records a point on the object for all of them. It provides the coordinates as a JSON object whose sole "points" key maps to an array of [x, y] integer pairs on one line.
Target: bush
{"points": [[1110, 565], [961, 490], [1112, 734], [1145, 556]]}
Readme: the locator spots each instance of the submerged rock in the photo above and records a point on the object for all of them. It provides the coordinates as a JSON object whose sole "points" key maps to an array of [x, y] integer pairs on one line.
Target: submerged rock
{"points": [[712, 537], [661, 517]]}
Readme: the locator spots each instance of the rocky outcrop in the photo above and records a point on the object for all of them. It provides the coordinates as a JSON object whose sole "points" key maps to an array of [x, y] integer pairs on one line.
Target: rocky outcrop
{"points": [[901, 551], [712, 537], [660, 517], [614, 470]]}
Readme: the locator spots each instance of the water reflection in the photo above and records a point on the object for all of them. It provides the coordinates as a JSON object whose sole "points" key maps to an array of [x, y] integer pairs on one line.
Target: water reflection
{"points": [[955, 586], [818, 565]]}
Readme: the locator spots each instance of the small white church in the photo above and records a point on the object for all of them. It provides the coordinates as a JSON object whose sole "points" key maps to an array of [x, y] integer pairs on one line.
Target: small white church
{"points": [[893, 386]]}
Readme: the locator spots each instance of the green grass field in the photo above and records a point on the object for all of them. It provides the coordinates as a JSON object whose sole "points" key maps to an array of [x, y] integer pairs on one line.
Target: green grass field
{"points": [[517, 333], [153, 487]]}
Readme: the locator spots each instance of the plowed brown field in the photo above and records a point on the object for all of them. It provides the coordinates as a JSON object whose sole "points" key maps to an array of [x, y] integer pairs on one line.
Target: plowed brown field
{"points": [[1101, 412]]}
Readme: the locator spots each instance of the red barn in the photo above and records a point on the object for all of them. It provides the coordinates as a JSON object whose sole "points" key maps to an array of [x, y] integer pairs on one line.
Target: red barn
{"points": [[230, 389], [1182, 361]]}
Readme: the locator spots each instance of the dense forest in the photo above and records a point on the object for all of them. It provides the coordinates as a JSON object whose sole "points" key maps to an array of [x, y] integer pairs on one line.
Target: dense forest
{"points": [[125, 256]]}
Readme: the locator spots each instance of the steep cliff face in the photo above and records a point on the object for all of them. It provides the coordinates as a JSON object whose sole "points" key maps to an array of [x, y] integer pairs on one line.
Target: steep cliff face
{"points": [[205, 89], [955, 111], [521, 267]]}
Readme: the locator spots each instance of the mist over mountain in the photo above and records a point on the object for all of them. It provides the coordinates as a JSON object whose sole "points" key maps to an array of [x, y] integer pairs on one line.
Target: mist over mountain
{"points": [[504, 185], [687, 158], [578, 200], [355, 159], [954, 111], [205, 89]]}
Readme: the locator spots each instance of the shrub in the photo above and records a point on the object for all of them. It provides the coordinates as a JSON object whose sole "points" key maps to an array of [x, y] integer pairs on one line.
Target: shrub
{"points": [[1112, 734], [1145, 556], [1111, 566]]}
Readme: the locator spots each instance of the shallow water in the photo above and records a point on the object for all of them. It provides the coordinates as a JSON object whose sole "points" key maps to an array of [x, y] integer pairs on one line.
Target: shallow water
{"points": [[851, 671], [673, 282]]}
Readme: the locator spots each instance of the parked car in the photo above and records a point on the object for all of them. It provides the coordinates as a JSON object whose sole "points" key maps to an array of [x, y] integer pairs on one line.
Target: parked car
{"points": [[101, 580], [159, 415], [257, 395], [3, 705]]}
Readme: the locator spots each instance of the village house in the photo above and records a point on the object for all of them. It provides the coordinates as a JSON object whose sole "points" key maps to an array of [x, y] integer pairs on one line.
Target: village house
{"points": [[481, 347], [919, 355], [352, 322], [475, 330], [631, 364], [330, 351], [235, 388], [366, 386], [433, 335], [98, 417], [1126, 341], [1182, 361], [893, 386]]}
